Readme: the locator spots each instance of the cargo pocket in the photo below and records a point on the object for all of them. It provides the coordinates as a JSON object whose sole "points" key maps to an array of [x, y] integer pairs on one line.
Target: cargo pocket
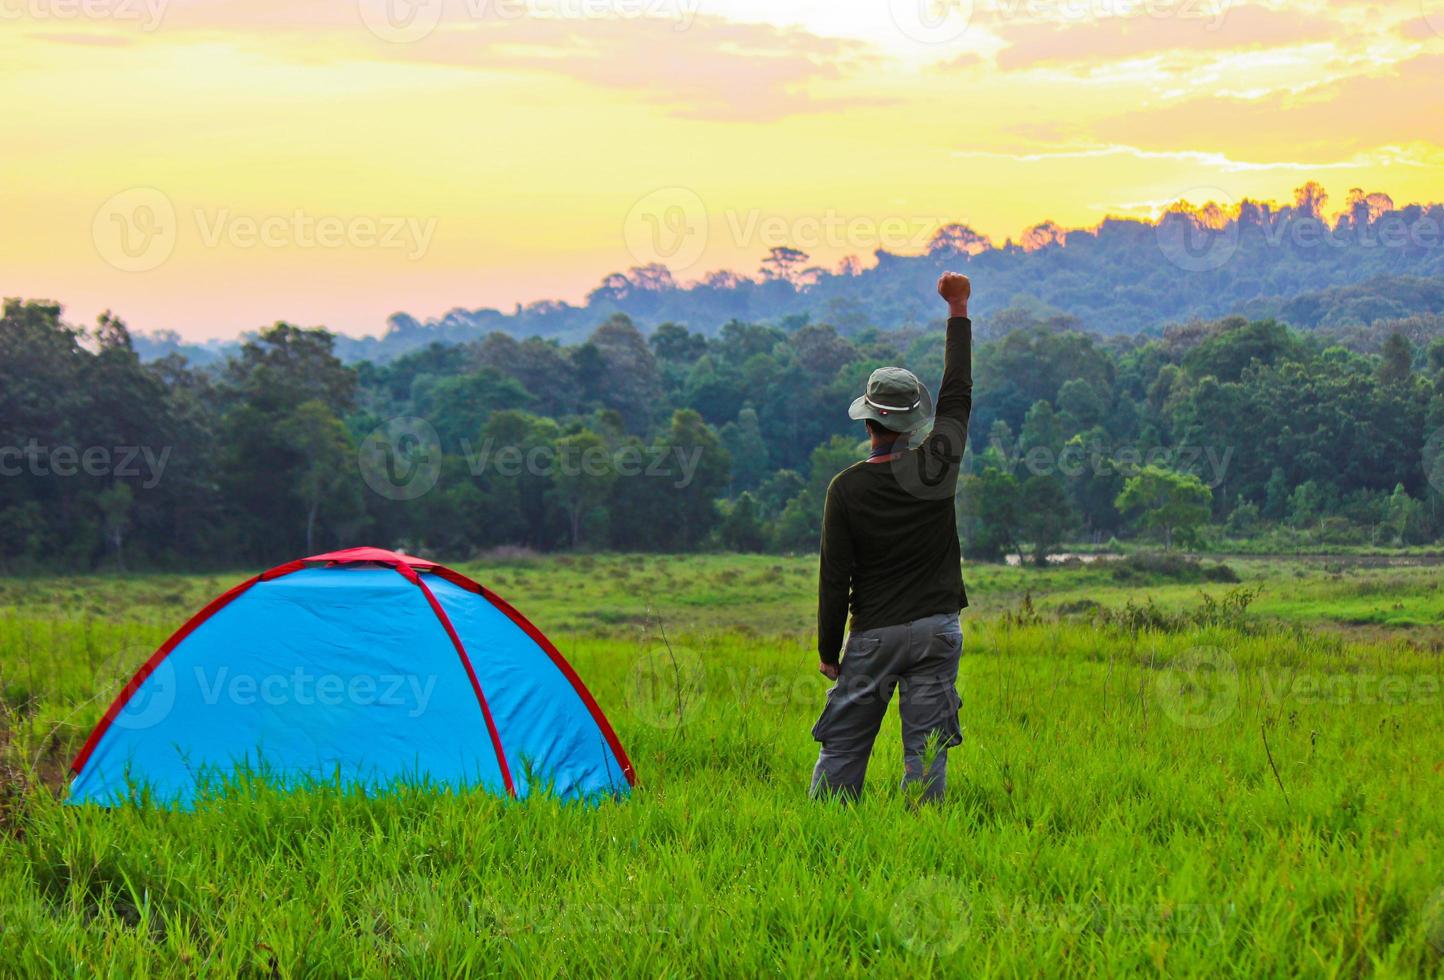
{"points": [[819, 730], [953, 723], [949, 648]]}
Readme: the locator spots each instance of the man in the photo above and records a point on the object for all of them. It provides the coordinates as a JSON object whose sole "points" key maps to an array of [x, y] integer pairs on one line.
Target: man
{"points": [[890, 547]]}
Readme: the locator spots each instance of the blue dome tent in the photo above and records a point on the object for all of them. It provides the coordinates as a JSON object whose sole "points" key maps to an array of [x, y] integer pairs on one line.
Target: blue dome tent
{"points": [[363, 665]]}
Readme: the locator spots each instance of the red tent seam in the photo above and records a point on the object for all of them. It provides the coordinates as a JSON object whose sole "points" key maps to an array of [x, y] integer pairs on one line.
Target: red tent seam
{"points": [[561, 662], [410, 575], [571, 675]]}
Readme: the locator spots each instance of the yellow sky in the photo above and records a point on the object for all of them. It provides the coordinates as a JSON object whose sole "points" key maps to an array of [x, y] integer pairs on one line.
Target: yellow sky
{"points": [[210, 166]]}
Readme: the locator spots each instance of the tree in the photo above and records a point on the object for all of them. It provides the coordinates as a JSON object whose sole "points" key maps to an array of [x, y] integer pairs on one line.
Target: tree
{"points": [[1093, 480], [1041, 236], [585, 476], [288, 365], [517, 479], [957, 239], [782, 263], [1396, 363], [1082, 405], [677, 498], [1436, 361], [1166, 501], [1406, 517], [742, 528], [744, 441], [991, 514], [327, 457], [626, 377], [675, 343], [456, 406], [1045, 516], [115, 503], [1042, 438], [1276, 496]]}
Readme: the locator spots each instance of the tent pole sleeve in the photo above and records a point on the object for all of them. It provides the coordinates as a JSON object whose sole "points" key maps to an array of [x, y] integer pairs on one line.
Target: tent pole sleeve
{"points": [[410, 575]]}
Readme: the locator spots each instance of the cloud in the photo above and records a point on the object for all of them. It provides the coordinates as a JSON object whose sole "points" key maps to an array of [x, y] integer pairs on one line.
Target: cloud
{"points": [[1423, 28], [1338, 118], [1106, 39], [962, 64], [1212, 161], [656, 51], [713, 69]]}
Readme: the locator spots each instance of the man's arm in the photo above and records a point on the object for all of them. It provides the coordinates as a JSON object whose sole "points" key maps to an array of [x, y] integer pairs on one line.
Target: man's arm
{"points": [[955, 394], [834, 580]]}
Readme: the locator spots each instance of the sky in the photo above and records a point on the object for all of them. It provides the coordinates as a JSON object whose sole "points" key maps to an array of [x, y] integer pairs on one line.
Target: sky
{"points": [[213, 166]]}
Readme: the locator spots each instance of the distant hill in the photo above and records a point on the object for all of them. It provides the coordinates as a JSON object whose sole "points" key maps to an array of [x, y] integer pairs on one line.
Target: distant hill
{"points": [[1372, 262]]}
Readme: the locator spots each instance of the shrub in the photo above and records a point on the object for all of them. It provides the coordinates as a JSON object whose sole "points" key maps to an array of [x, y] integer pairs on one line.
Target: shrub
{"points": [[1170, 566]]}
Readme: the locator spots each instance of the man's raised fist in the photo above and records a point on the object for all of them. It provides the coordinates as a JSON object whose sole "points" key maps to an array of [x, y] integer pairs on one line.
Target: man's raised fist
{"points": [[956, 289]]}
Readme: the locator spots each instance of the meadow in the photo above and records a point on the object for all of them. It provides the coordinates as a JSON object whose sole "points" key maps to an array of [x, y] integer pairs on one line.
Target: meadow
{"points": [[1167, 770]]}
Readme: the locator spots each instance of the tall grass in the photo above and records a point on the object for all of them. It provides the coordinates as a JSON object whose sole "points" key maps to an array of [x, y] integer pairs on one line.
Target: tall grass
{"points": [[1188, 801]]}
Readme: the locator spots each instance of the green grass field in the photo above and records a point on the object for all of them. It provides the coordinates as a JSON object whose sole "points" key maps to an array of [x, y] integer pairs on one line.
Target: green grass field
{"points": [[1251, 796]]}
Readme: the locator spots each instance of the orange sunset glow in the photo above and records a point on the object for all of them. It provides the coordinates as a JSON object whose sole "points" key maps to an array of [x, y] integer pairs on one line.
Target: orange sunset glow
{"points": [[210, 166]]}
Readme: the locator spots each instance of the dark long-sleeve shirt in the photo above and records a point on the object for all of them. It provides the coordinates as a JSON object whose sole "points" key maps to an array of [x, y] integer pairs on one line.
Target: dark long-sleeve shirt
{"points": [[889, 529]]}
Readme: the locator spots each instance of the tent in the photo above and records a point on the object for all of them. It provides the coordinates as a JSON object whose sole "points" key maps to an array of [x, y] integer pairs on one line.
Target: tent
{"points": [[363, 666]]}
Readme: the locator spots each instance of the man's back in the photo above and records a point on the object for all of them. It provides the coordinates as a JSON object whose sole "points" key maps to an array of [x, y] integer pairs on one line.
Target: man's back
{"points": [[906, 559], [889, 530]]}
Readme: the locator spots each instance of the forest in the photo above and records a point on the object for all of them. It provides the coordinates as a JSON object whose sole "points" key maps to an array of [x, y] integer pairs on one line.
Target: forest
{"points": [[1306, 262], [1213, 433]]}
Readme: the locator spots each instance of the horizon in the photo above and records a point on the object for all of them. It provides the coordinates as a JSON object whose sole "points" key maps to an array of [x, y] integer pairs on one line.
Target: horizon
{"points": [[335, 164], [1205, 213]]}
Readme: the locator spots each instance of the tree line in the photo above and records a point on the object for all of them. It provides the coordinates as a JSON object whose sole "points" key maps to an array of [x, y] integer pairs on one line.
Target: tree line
{"points": [[1309, 262], [675, 441]]}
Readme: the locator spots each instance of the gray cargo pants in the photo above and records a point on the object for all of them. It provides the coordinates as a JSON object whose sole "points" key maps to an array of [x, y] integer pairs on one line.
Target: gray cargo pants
{"points": [[920, 660]]}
